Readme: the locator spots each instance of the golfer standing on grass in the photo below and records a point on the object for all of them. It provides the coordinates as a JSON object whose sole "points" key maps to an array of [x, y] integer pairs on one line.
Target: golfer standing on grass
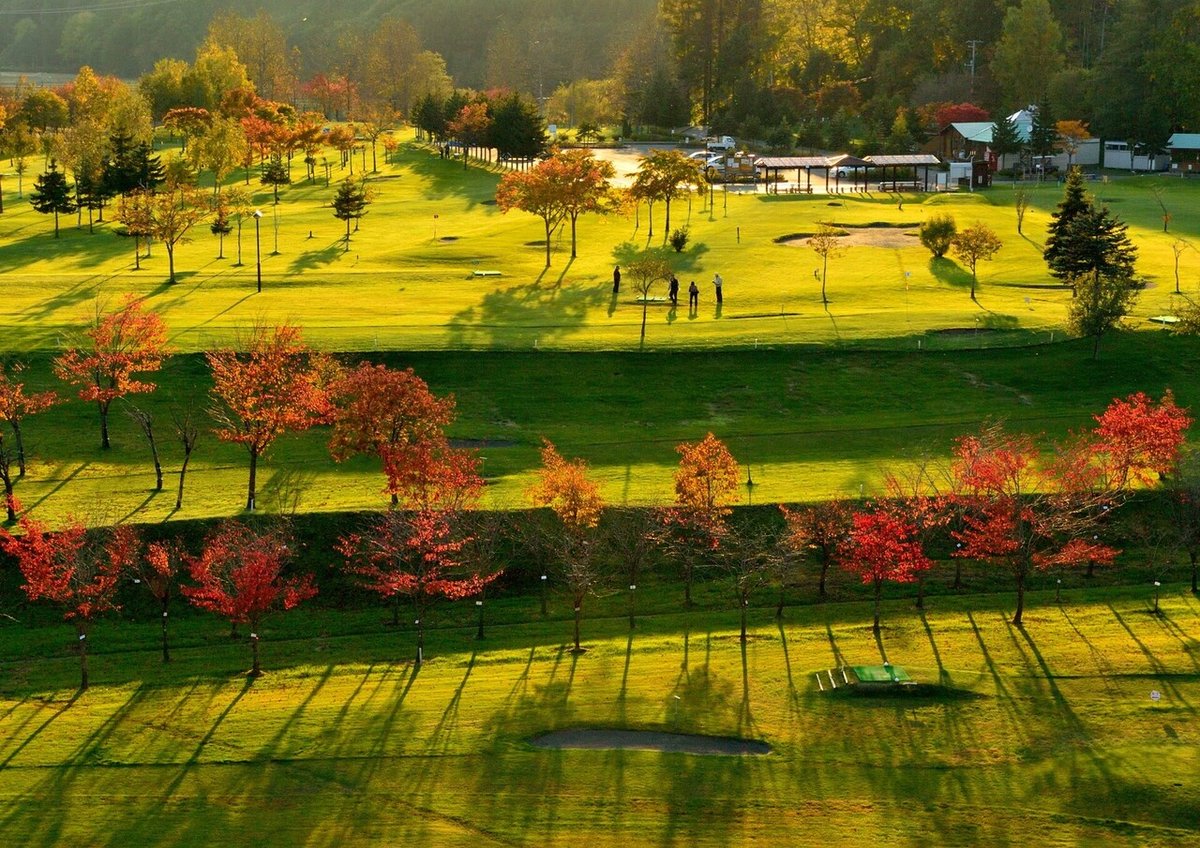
{"points": [[717, 285]]}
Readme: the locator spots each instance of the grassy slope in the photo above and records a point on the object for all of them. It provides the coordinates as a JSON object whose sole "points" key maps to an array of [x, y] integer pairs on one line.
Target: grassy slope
{"points": [[809, 420], [1049, 734]]}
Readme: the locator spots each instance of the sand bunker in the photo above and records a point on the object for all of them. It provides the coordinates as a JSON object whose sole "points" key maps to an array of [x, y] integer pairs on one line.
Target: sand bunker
{"points": [[648, 740], [869, 237]]}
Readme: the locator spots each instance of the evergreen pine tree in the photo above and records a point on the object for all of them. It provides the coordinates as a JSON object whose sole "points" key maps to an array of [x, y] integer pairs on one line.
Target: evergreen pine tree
{"points": [[350, 203], [52, 194], [1075, 202], [1094, 244], [1005, 140], [1043, 135]]}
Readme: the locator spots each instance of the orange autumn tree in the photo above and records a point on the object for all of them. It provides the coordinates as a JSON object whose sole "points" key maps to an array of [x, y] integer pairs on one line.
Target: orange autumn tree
{"points": [[16, 404], [277, 384], [74, 569], [706, 485], [419, 551], [158, 569], [817, 530], [564, 487], [117, 346], [583, 182], [381, 411], [537, 192]]}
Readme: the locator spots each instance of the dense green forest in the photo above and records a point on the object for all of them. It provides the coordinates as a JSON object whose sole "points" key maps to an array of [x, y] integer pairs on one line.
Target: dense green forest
{"points": [[780, 71]]}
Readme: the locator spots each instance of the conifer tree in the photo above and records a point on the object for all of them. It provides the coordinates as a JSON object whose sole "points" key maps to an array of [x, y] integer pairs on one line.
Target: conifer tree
{"points": [[1074, 203], [51, 193]]}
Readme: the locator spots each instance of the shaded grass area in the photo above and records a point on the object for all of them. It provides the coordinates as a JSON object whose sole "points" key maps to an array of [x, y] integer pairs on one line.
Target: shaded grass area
{"points": [[807, 422], [344, 744]]}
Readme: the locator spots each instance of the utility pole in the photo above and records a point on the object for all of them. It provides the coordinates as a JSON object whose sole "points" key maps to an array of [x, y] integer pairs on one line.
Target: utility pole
{"points": [[973, 44]]}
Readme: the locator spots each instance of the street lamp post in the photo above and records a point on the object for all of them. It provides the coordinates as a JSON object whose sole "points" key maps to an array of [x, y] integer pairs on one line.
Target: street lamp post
{"points": [[258, 247]]}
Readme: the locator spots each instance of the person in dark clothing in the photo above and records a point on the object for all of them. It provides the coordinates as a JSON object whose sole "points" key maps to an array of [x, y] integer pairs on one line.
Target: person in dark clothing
{"points": [[673, 290], [717, 282], [617, 279], [693, 295]]}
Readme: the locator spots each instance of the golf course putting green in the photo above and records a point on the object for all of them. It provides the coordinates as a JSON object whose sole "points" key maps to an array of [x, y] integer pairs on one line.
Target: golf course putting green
{"points": [[648, 740]]}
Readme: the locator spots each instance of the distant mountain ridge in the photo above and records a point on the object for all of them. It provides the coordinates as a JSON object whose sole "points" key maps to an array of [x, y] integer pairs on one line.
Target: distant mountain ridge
{"points": [[553, 40]]}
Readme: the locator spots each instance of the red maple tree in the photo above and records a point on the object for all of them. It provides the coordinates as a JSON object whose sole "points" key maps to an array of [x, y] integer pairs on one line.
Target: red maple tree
{"points": [[564, 486], [706, 484], [1139, 438], [159, 570], [120, 345], [418, 551], [239, 576], [74, 569], [1025, 511], [16, 404], [385, 412], [882, 546], [276, 385], [955, 113]]}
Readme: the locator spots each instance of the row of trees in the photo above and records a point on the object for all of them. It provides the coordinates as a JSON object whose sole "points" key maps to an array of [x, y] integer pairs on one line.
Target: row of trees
{"points": [[1003, 500]]}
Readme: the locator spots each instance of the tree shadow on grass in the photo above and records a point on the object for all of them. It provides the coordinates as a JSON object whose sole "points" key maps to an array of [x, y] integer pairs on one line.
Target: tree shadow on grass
{"points": [[687, 262], [950, 272], [311, 260], [77, 248], [446, 179], [525, 311]]}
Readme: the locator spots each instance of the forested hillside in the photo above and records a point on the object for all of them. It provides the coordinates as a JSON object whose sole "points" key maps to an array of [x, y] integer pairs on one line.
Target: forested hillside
{"points": [[569, 39]]}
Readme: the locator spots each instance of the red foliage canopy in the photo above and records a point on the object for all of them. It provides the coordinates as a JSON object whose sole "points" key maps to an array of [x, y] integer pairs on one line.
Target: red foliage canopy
{"points": [[15, 403], [1139, 438], [239, 574], [122, 343], [71, 568], [953, 113], [278, 384], [386, 412], [882, 546]]}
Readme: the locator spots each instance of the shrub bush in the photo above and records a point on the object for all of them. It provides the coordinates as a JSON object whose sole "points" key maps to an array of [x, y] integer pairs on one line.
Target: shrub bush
{"points": [[937, 231], [679, 239]]}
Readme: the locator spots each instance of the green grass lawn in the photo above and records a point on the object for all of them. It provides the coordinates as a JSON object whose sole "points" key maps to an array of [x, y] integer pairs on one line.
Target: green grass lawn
{"points": [[400, 288], [1046, 734], [806, 422]]}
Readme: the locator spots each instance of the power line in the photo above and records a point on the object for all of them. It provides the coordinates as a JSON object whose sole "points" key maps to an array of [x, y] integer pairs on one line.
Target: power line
{"points": [[116, 6]]}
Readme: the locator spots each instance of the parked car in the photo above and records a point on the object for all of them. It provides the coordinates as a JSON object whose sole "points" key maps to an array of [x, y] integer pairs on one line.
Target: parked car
{"points": [[723, 143]]}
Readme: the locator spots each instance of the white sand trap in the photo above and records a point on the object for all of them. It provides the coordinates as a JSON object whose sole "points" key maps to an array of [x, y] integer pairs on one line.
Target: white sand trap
{"points": [[648, 740], [891, 237]]}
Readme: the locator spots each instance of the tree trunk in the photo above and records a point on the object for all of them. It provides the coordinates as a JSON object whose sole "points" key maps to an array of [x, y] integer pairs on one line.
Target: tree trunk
{"points": [[824, 574], [645, 306], [420, 637], [220, 245], [878, 601], [824, 274], [9, 500], [921, 590], [253, 476], [170, 261], [187, 455], [578, 618], [687, 586], [1192, 554], [83, 659], [166, 651], [137, 253], [547, 222], [972, 283], [574, 218], [104, 443], [255, 668], [779, 606], [16, 428], [744, 600], [1016, 619], [239, 241], [957, 574], [1096, 348]]}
